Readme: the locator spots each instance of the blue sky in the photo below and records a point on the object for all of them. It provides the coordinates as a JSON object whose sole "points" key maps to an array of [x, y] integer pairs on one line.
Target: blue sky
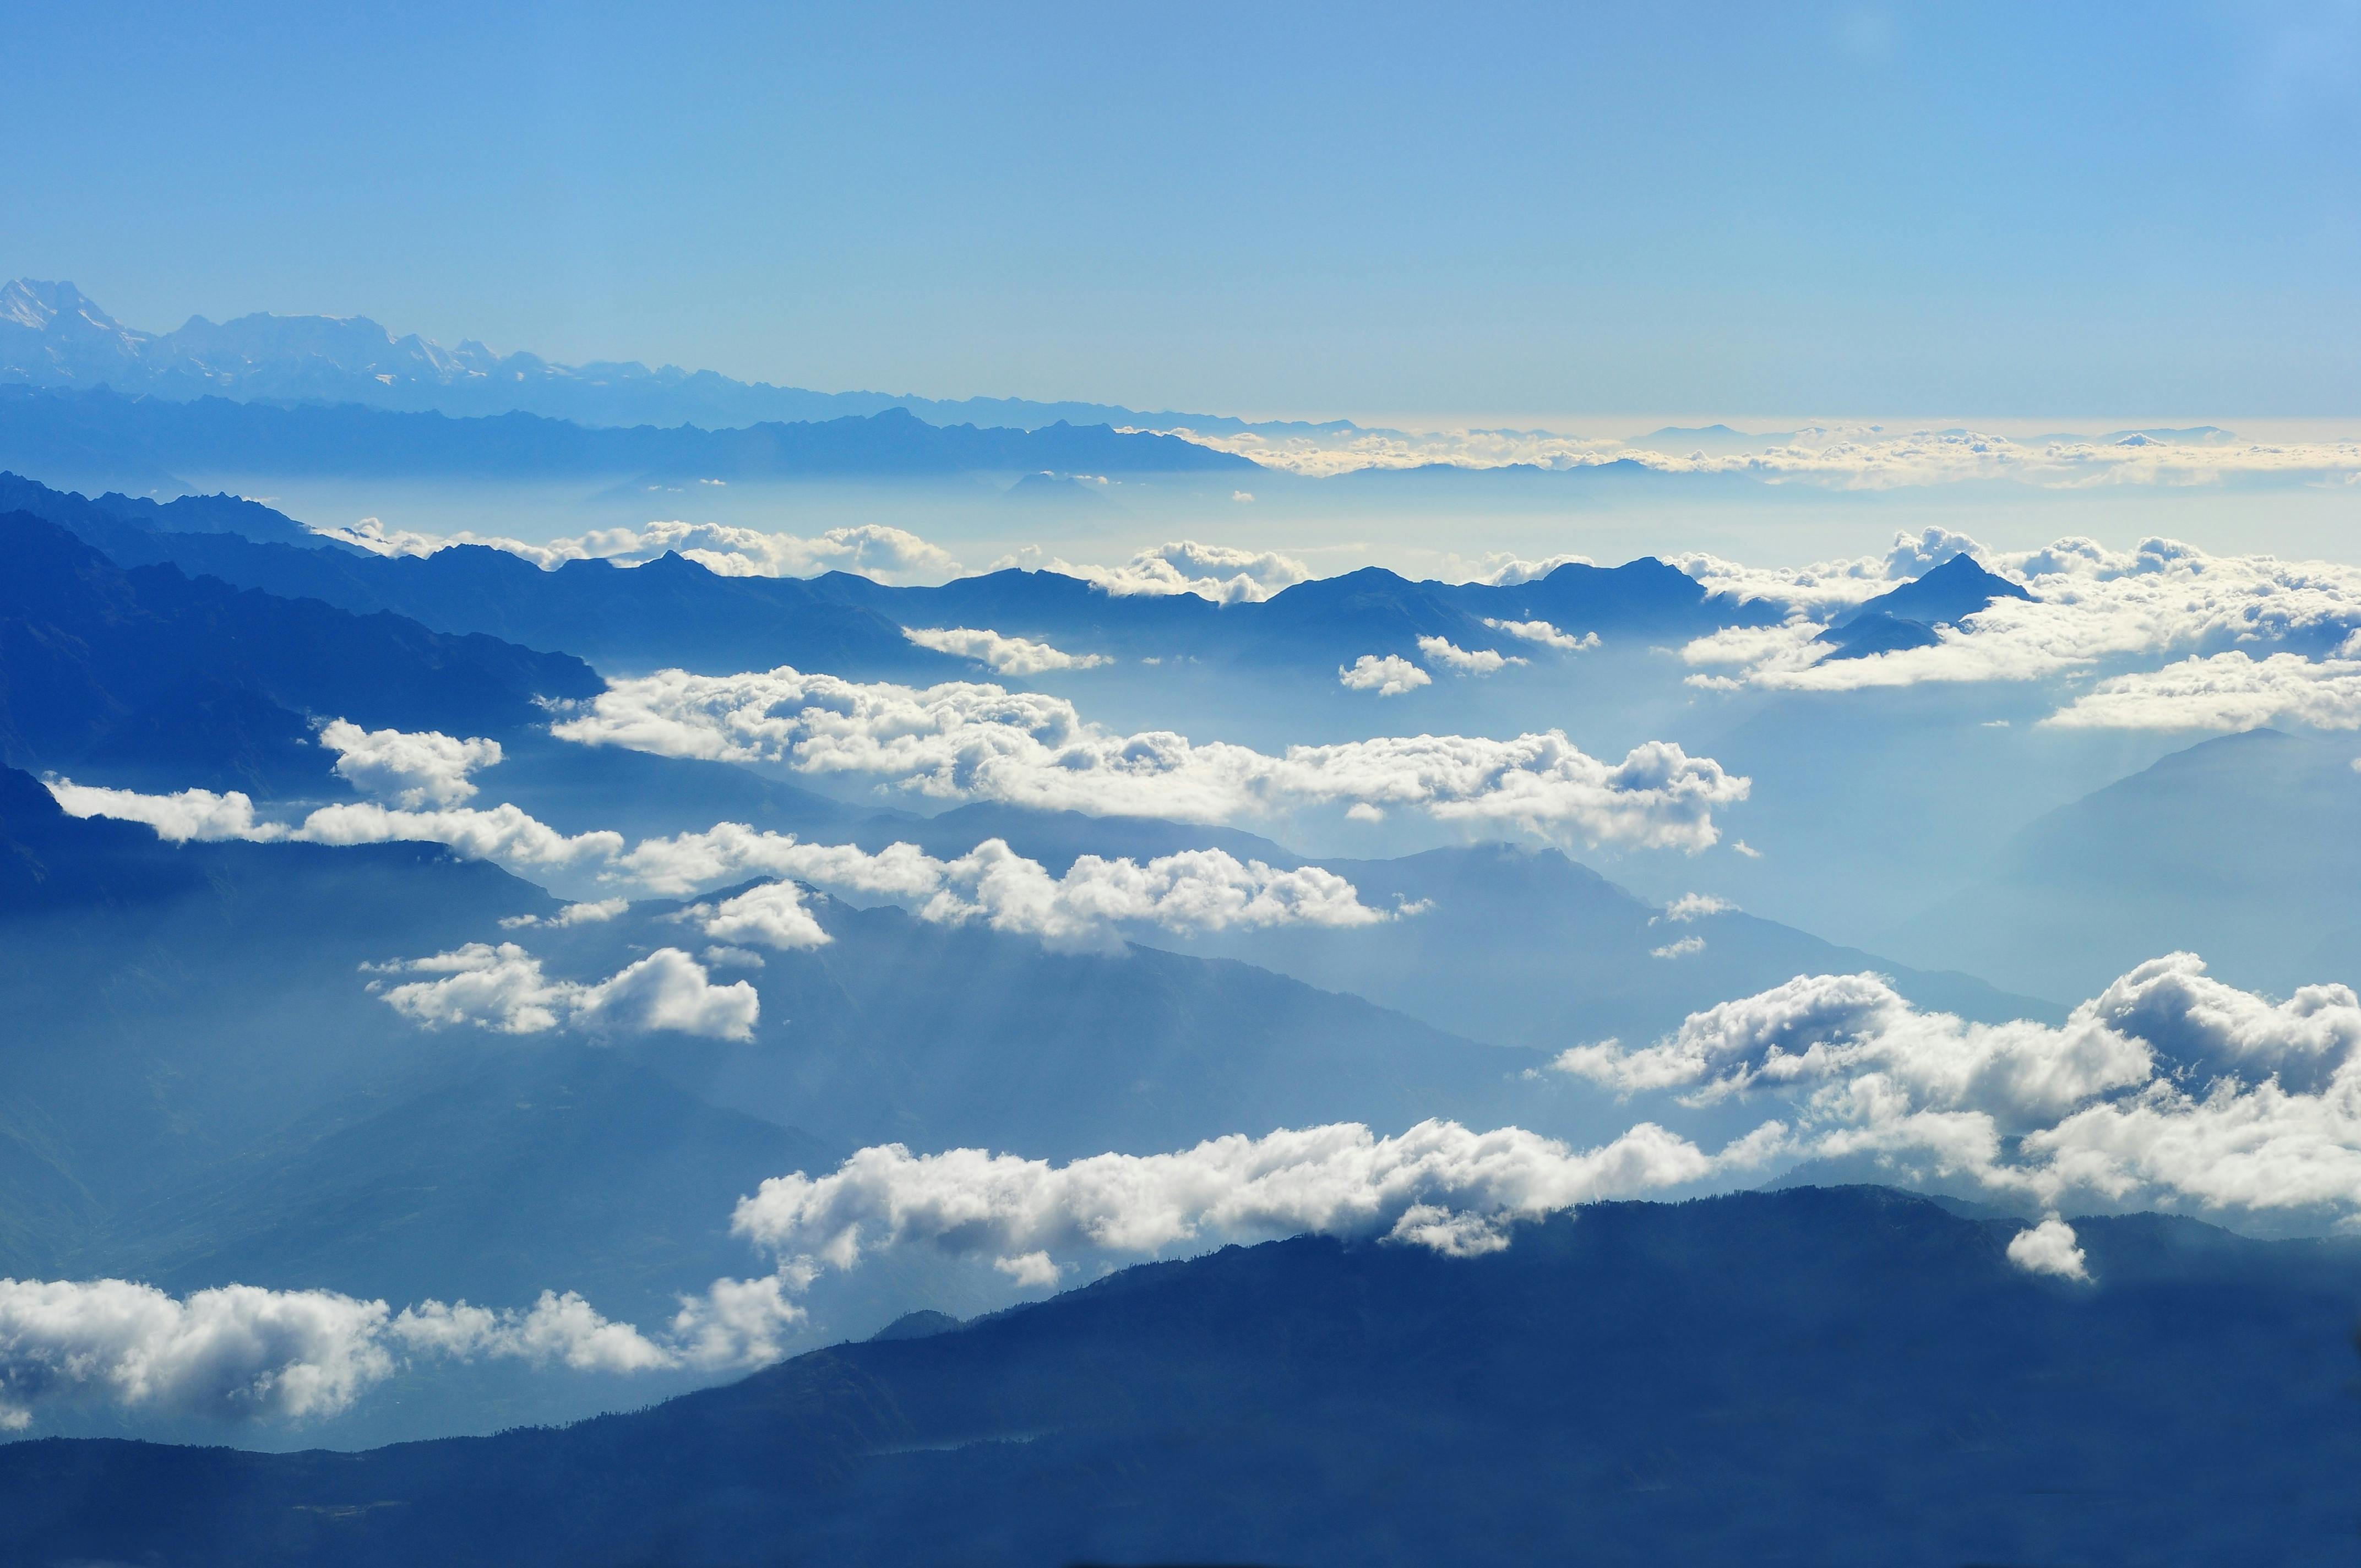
{"points": [[1500, 213]]}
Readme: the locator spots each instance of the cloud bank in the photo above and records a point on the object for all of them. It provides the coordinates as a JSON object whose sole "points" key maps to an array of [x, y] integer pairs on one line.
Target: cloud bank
{"points": [[2169, 1090], [1193, 891], [240, 1353], [503, 988], [1842, 457], [974, 741]]}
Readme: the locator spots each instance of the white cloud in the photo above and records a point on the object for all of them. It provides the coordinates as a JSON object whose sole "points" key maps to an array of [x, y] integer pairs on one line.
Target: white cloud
{"points": [[1216, 571], [503, 988], [584, 913], [1482, 662], [886, 554], [773, 915], [1005, 656], [1192, 890], [1696, 906], [565, 1329], [2168, 1090], [1679, 949], [974, 741], [242, 1353], [198, 814], [1437, 1185], [1543, 633], [237, 1351], [2049, 1247], [1195, 889], [2228, 691], [409, 768], [1390, 676], [505, 834]]}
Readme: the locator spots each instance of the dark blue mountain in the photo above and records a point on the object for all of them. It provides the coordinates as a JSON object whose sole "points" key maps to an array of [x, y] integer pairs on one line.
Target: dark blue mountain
{"points": [[69, 433], [1840, 1375], [194, 681], [1943, 597], [674, 611]]}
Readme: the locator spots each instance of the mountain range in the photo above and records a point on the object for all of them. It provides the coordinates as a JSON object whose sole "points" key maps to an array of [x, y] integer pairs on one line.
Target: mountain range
{"points": [[675, 611], [1687, 1383]]}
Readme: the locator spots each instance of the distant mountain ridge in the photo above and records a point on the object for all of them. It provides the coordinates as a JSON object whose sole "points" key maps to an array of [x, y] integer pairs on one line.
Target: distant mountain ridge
{"points": [[52, 335], [136, 440], [188, 681]]}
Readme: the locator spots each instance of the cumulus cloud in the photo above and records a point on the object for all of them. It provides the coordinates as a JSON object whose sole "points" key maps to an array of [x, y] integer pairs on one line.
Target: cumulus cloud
{"points": [[231, 1352], [2091, 606], [410, 768], [2049, 1247], [1678, 949], [1216, 571], [2227, 691], [1451, 656], [1390, 676], [240, 1353], [971, 742], [503, 988], [1437, 1185], [1195, 889], [1005, 656], [1543, 633], [2171, 1089], [886, 554]]}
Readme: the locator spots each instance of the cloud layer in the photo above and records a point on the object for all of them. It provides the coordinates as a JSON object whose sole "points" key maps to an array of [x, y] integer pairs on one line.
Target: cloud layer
{"points": [[1847, 456], [974, 741]]}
